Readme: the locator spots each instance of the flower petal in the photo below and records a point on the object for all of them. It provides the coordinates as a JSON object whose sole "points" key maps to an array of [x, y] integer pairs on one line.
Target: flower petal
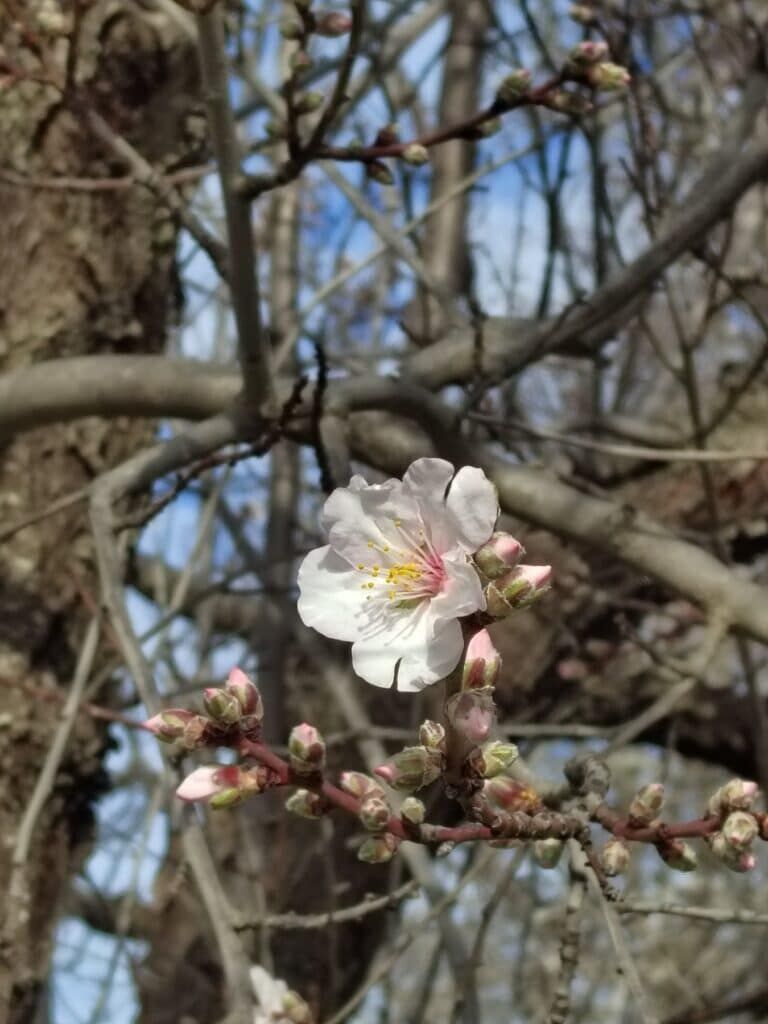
{"points": [[428, 650], [474, 505], [462, 591], [331, 599]]}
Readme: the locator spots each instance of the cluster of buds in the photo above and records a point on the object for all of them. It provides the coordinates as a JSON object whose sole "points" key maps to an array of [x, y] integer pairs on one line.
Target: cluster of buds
{"points": [[224, 785], [235, 708], [374, 815], [412, 768], [586, 63], [306, 750], [739, 829], [511, 586]]}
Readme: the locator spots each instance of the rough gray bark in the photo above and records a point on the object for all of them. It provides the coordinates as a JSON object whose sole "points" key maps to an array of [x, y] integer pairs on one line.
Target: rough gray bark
{"points": [[85, 271]]}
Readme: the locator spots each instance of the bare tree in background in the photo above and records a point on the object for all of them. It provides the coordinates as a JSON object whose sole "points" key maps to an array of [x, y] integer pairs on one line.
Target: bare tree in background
{"points": [[250, 249]]}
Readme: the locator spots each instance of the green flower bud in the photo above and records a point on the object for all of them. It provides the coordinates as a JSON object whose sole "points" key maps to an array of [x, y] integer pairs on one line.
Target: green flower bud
{"points": [[432, 735], [222, 706], [514, 87], [608, 77], [678, 855], [309, 102], [615, 857], [416, 154], [306, 804], [413, 810], [646, 805], [374, 813], [378, 849], [547, 852], [412, 768], [498, 757], [377, 171]]}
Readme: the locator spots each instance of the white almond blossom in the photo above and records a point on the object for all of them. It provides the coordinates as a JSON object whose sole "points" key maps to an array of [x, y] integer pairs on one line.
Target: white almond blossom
{"points": [[396, 575]]}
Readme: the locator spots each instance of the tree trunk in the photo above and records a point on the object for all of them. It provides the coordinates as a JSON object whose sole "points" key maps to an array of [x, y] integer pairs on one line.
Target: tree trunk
{"points": [[86, 269]]}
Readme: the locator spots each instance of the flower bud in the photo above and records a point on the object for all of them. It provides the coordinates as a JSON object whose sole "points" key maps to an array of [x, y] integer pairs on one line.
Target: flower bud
{"points": [[472, 713], [445, 849], [514, 87], [583, 14], [568, 102], [169, 725], [389, 135], [300, 61], [740, 829], [646, 805], [734, 858], [378, 849], [276, 129], [432, 735], [246, 692], [736, 795], [306, 748], [547, 852], [416, 154], [309, 102], [498, 757], [196, 733], [222, 706], [588, 52], [498, 555], [359, 785], [412, 768], [482, 662], [223, 785], [615, 857], [413, 810], [333, 23], [306, 804], [374, 813], [517, 589], [295, 1009], [607, 76], [377, 171], [506, 794], [678, 855]]}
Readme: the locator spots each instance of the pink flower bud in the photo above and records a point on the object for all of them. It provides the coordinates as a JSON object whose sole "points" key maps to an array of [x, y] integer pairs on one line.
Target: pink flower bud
{"points": [[736, 795], [378, 849], [222, 706], [201, 784], [472, 714], [615, 857], [307, 749], [223, 785], [734, 858], [647, 804], [517, 589], [740, 829], [482, 663], [333, 23], [246, 692], [498, 555], [588, 52], [169, 725], [412, 768]]}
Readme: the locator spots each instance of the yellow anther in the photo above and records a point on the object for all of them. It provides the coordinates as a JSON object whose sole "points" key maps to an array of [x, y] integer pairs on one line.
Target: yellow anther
{"points": [[361, 565]]}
